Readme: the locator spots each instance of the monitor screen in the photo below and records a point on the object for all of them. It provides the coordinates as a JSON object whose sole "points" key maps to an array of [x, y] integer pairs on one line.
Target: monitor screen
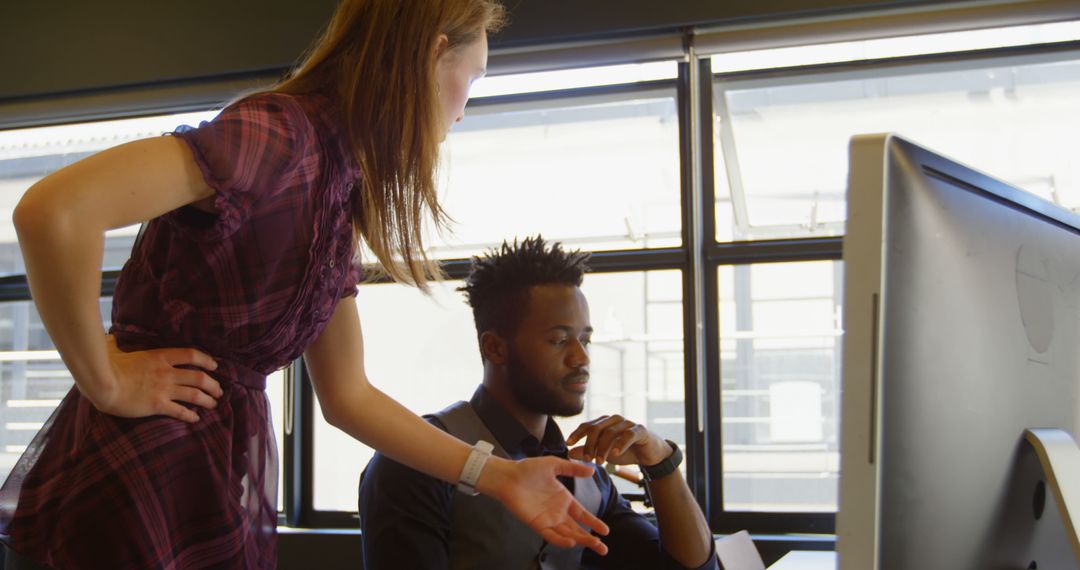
{"points": [[961, 306]]}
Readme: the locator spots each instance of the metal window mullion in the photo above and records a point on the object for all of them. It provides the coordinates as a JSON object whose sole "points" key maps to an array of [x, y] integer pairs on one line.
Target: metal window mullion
{"points": [[688, 103], [705, 203], [307, 447], [17, 288], [696, 245], [732, 169], [298, 450], [290, 448], [776, 251], [335, 519], [516, 102]]}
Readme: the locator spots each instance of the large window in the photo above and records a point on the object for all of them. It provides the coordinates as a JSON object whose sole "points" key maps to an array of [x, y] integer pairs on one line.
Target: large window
{"points": [[590, 158], [33, 379], [782, 122]]}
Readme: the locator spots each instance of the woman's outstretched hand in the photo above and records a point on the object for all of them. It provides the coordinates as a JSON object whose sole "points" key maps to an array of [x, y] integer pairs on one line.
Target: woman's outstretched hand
{"points": [[147, 383], [530, 490]]}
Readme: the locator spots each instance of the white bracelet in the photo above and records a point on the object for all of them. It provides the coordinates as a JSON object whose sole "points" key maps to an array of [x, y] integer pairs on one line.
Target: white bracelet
{"points": [[470, 474]]}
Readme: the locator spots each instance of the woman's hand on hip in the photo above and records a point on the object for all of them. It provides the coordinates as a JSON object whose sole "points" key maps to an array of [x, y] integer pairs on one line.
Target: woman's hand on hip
{"points": [[148, 383]]}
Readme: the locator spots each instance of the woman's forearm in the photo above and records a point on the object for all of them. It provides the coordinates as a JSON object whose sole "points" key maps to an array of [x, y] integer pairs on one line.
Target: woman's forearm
{"points": [[63, 257], [382, 423], [61, 222], [335, 363]]}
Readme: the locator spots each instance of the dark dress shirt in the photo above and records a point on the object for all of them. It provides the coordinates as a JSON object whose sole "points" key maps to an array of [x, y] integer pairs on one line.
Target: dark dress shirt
{"points": [[405, 514]]}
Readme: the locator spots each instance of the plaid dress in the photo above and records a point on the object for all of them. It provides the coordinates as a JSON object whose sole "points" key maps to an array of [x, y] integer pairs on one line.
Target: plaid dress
{"points": [[251, 285]]}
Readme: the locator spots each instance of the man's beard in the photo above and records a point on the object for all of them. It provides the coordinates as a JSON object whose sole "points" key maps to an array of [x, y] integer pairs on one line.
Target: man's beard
{"points": [[534, 395]]}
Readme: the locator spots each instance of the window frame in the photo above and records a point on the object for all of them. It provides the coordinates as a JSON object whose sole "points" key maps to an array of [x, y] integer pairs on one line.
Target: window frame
{"points": [[751, 252]]}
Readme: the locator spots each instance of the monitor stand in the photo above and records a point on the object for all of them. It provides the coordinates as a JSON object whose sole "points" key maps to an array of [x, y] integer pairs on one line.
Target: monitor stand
{"points": [[1040, 508]]}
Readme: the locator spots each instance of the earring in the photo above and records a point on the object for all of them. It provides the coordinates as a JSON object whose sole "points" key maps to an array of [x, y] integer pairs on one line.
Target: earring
{"points": [[438, 89]]}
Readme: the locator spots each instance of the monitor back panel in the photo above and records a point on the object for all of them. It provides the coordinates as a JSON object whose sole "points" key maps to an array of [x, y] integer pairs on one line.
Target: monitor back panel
{"points": [[975, 338]]}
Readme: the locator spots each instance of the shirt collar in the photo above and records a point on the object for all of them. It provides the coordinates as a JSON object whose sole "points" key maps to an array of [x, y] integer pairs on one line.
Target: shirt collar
{"points": [[512, 436]]}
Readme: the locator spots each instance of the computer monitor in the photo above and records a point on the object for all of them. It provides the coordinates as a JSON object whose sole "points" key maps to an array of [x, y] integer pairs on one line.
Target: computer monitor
{"points": [[961, 305]]}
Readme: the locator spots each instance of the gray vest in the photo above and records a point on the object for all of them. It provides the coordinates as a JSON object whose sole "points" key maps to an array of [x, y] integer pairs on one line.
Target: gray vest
{"points": [[483, 534]]}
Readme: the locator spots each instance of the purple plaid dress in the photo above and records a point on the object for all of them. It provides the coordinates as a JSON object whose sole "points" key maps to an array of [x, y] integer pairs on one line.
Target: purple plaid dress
{"points": [[251, 285]]}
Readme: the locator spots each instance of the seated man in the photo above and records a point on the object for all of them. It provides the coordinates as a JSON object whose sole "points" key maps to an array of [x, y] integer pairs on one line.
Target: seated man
{"points": [[534, 332]]}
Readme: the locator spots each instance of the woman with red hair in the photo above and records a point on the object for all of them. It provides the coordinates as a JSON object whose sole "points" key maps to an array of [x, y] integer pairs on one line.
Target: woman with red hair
{"points": [[162, 456]]}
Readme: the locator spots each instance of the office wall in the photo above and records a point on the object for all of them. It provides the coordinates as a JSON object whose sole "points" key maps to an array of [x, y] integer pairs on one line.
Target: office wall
{"points": [[61, 47], [51, 47]]}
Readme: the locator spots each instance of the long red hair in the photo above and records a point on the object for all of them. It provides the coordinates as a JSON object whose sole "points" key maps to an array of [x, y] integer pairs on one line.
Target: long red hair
{"points": [[377, 58]]}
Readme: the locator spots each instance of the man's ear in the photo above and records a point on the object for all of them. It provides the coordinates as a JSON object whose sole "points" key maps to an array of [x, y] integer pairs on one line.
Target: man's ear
{"points": [[493, 347]]}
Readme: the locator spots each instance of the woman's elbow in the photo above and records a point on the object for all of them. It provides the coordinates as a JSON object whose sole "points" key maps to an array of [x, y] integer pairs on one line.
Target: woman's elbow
{"points": [[25, 216], [40, 212], [32, 214], [331, 413], [341, 407]]}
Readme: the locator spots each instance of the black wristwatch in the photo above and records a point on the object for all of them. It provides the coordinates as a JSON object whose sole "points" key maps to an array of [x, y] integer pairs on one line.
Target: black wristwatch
{"points": [[665, 467]]}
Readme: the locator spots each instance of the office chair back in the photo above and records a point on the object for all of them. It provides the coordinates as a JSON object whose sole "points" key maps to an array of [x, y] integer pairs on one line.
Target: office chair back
{"points": [[737, 552]]}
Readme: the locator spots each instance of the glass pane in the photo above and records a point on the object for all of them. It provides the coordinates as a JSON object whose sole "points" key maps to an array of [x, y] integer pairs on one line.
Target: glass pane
{"points": [[780, 375], [493, 85], [33, 379], [784, 140], [881, 48], [275, 391], [595, 173], [636, 368], [399, 324]]}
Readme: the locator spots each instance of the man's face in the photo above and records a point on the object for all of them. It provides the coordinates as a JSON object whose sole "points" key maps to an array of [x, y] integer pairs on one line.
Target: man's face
{"points": [[548, 361]]}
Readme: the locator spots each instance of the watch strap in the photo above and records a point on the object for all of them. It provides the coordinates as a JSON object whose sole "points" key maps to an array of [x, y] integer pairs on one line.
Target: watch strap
{"points": [[474, 465], [665, 467]]}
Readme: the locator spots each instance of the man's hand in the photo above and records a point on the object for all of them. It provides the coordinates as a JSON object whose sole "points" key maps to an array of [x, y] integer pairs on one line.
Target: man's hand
{"points": [[684, 533], [619, 441]]}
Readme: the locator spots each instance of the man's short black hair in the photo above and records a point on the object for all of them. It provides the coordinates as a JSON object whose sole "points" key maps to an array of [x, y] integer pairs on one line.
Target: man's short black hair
{"points": [[498, 286]]}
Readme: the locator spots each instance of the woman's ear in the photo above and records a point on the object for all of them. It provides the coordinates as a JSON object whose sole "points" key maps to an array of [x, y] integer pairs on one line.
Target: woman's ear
{"points": [[493, 347], [441, 44]]}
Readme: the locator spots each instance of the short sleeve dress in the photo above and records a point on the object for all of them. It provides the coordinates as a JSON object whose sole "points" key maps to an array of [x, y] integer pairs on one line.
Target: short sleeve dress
{"points": [[252, 284]]}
